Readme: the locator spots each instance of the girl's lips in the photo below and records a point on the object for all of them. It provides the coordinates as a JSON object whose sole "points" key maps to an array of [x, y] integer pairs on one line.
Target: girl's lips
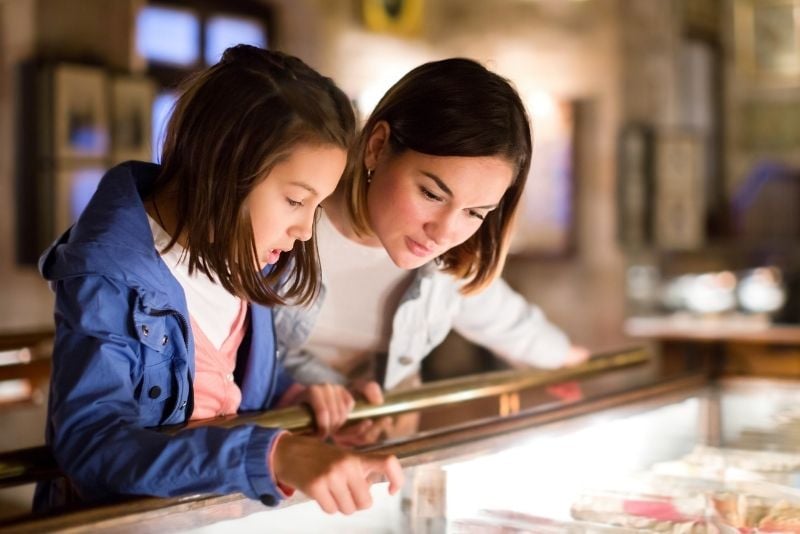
{"points": [[417, 249], [274, 254]]}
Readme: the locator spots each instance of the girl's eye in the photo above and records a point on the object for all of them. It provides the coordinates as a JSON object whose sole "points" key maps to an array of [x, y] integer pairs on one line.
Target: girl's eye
{"points": [[430, 196], [473, 213], [293, 203]]}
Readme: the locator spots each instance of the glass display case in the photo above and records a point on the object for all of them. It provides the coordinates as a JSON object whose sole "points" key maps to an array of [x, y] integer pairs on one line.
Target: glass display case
{"points": [[632, 451], [718, 457]]}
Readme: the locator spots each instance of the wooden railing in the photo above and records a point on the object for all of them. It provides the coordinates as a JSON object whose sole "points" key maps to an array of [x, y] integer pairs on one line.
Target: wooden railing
{"points": [[31, 351], [26, 339]]}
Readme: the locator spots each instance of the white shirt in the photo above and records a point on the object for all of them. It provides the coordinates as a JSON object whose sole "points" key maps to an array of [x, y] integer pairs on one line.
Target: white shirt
{"points": [[363, 289], [211, 306]]}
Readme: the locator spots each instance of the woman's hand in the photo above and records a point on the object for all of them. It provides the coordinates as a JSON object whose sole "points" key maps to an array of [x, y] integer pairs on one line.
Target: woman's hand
{"points": [[570, 391], [330, 404], [576, 355], [338, 480]]}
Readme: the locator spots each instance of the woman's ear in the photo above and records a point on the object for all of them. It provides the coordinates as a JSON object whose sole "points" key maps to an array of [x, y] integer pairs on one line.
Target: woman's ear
{"points": [[377, 142]]}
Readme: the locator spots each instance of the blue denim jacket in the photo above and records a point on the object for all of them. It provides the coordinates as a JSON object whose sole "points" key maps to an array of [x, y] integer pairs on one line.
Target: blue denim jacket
{"points": [[123, 362]]}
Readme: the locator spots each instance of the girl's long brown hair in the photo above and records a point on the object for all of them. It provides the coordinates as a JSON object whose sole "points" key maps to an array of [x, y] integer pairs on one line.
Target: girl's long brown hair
{"points": [[231, 125]]}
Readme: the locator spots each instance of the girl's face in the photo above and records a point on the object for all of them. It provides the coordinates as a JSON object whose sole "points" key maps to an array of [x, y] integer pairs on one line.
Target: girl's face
{"points": [[283, 205], [421, 206]]}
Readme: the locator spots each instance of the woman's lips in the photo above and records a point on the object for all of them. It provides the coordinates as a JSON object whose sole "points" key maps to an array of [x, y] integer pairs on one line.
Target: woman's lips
{"points": [[417, 249]]}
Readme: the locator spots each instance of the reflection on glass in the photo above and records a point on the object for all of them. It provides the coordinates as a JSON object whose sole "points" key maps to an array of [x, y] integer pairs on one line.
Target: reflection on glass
{"points": [[166, 35], [222, 32], [162, 110], [545, 474]]}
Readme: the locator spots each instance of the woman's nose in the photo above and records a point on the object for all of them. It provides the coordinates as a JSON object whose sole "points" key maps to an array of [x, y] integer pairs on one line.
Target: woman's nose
{"points": [[440, 230]]}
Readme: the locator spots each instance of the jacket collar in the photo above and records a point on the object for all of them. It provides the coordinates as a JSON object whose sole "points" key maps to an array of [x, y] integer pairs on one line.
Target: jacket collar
{"points": [[112, 238]]}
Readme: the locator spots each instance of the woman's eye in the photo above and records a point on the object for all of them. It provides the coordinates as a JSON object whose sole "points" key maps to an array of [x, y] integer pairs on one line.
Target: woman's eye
{"points": [[429, 195], [473, 213], [294, 203]]}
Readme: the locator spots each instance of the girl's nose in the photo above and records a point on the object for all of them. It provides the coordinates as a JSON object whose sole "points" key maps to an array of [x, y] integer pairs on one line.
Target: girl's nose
{"points": [[304, 230]]}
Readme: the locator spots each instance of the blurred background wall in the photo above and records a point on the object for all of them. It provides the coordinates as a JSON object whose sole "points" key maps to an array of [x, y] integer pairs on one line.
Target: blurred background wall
{"points": [[647, 84], [568, 50]]}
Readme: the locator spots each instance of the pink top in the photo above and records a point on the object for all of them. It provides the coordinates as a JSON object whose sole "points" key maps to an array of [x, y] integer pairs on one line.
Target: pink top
{"points": [[215, 392]]}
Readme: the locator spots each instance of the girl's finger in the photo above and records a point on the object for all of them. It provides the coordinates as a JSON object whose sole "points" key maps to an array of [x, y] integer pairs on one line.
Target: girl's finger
{"points": [[340, 410], [340, 490], [325, 500], [322, 415], [372, 392], [359, 489], [387, 466]]}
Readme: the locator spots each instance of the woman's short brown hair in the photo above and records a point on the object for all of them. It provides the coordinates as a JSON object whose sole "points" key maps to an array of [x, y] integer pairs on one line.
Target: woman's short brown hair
{"points": [[231, 125], [453, 107]]}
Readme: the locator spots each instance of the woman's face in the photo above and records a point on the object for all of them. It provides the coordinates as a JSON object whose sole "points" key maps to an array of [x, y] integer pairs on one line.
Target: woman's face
{"points": [[282, 206], [421, 206]]}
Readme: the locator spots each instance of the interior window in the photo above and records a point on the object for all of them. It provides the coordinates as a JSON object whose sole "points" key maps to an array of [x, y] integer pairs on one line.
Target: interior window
{"points": [[176, 41], [168, 35], [162, 109], [223, 31]]}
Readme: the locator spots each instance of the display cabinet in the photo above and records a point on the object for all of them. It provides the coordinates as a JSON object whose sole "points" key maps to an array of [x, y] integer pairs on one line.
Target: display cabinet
{"points": [[629, 450]]}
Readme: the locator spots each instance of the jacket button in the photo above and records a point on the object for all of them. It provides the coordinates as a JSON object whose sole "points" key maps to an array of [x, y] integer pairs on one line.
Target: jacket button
{"points": [[183, 405], [145, 330], [154, 392], [268, 499], [164, 340], [405, 360]]}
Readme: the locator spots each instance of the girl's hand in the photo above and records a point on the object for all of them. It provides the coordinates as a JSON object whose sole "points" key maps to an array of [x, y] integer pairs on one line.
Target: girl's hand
{"points": [[370, 391], [371, 431], [330, 403], [338, 480], [364, 433], [367, 431]]}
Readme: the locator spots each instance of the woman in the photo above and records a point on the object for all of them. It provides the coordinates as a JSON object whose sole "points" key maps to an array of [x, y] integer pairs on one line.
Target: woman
{"points": [[414, 238]]}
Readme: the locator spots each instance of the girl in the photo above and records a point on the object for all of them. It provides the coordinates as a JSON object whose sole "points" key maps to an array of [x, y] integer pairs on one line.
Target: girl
{"points": [[415, 236], [163, 294]]}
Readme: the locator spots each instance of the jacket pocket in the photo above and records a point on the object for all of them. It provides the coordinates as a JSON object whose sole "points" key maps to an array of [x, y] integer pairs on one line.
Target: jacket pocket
{"points": [[158, 393]]}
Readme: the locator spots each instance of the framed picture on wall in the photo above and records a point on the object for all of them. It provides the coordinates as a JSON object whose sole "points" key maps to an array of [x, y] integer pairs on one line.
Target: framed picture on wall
{"points": [[635, 186], [767, 34], [73, 186], [80, 120], [544, 225], [679, 222], [131, 118]]}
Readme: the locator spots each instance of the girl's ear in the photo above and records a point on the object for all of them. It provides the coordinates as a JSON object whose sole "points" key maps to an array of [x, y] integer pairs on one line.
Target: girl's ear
{"points": [[377, 142]]}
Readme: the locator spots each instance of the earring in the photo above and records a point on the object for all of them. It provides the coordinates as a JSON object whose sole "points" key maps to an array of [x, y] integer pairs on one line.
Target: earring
{"points": [[370, 172]]}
